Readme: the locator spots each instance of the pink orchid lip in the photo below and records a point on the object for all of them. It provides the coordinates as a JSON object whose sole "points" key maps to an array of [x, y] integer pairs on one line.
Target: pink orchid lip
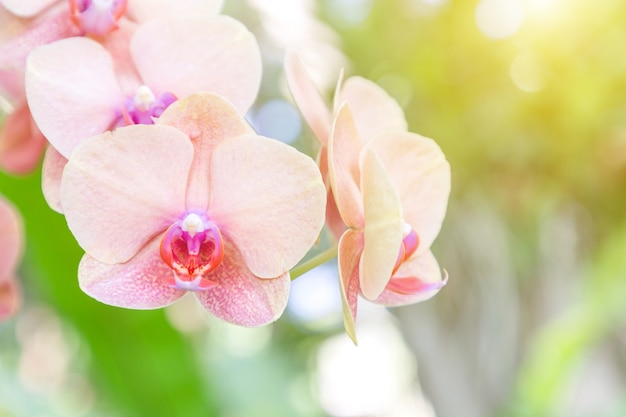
{"points": [[413, 285], [144, 106], [192, 247], [409, 245], [97, 17]]}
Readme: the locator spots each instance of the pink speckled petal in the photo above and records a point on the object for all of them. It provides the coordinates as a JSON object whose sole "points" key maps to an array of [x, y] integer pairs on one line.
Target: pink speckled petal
{"points": [[26, 8], [139, 283], [214, 54], [242, 298], [383, 226], [51, 173], [349, 257], [21, 142], [423, 268], [343, 167], [11, 238], [373, 109], [307, 97], [421, 175], [72, 91], [121, 188], [143, 11], [269, 199], [207, 119], [10, 297]]}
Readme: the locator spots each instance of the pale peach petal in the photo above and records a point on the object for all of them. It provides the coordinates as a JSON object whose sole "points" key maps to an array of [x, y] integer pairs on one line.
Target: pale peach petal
{"points": [[51, 173], [307, 97], [421, 175], [121, 188], [373, 109], [349, 257], [242, 298], [142, 11], [384, 226], [214, 54], [139, 283], [21, 142], [343, 168], [10, 297], [207, 119], [269, 199], [11, 239], [72, 91], [423, 267], [27, 8]]}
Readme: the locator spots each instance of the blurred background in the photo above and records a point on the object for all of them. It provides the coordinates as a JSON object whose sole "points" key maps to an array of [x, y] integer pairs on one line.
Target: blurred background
{"points": [[527, 99]]}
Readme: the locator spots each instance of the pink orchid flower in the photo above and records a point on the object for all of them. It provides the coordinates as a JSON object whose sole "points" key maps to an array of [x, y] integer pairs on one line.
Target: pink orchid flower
{"points": [[77, 89], [392, 193], [26, 24], [372, 108], [11, 246], [196, 202]]}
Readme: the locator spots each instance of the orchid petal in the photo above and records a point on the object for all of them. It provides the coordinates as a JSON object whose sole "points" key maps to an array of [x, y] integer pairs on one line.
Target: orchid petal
{"points": [[55, 26], [349, 257], [373, 109], [343, 167], [51, 173], [21, 142], [11, 243], [421, 175], [384, 226], [121, 188], [422, 268], [242, 298], [72, 91], [214, 54], [307, 97], [143, 11], [139, 283], [26, 8], [269, 199], [10, 297], [207, 119]]}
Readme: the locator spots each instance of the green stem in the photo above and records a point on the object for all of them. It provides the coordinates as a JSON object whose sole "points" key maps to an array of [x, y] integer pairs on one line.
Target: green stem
{"points": [[316, 261]]}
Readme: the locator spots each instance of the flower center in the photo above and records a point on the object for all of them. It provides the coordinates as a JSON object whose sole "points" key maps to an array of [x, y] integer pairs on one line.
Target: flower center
{"points": [[97, 17], [144, 106], [192, 247]]}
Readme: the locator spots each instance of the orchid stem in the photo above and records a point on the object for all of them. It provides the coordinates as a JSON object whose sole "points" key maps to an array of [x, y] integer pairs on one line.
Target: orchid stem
{"points": [[316, 261]]}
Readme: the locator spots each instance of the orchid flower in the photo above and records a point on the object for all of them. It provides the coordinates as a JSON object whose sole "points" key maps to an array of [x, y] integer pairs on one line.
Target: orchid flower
{"points": [[372, 108], [99, 91], [392, 193], [11, 247], [27, 24], [194, 203]]}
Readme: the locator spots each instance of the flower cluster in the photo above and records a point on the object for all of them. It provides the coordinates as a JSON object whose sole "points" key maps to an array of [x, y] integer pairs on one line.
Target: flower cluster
{"points": [[140, 107]]}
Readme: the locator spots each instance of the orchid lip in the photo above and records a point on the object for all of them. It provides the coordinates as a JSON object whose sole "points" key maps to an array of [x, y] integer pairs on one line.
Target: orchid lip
{"points": [[97, 17], [192, 247], [144, 106]]}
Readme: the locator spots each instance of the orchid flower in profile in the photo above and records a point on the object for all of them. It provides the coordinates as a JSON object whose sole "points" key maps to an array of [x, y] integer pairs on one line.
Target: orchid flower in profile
{"points": [[372, 108], [392, 193], [77, 89], [194, 203], [11, 247]]}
